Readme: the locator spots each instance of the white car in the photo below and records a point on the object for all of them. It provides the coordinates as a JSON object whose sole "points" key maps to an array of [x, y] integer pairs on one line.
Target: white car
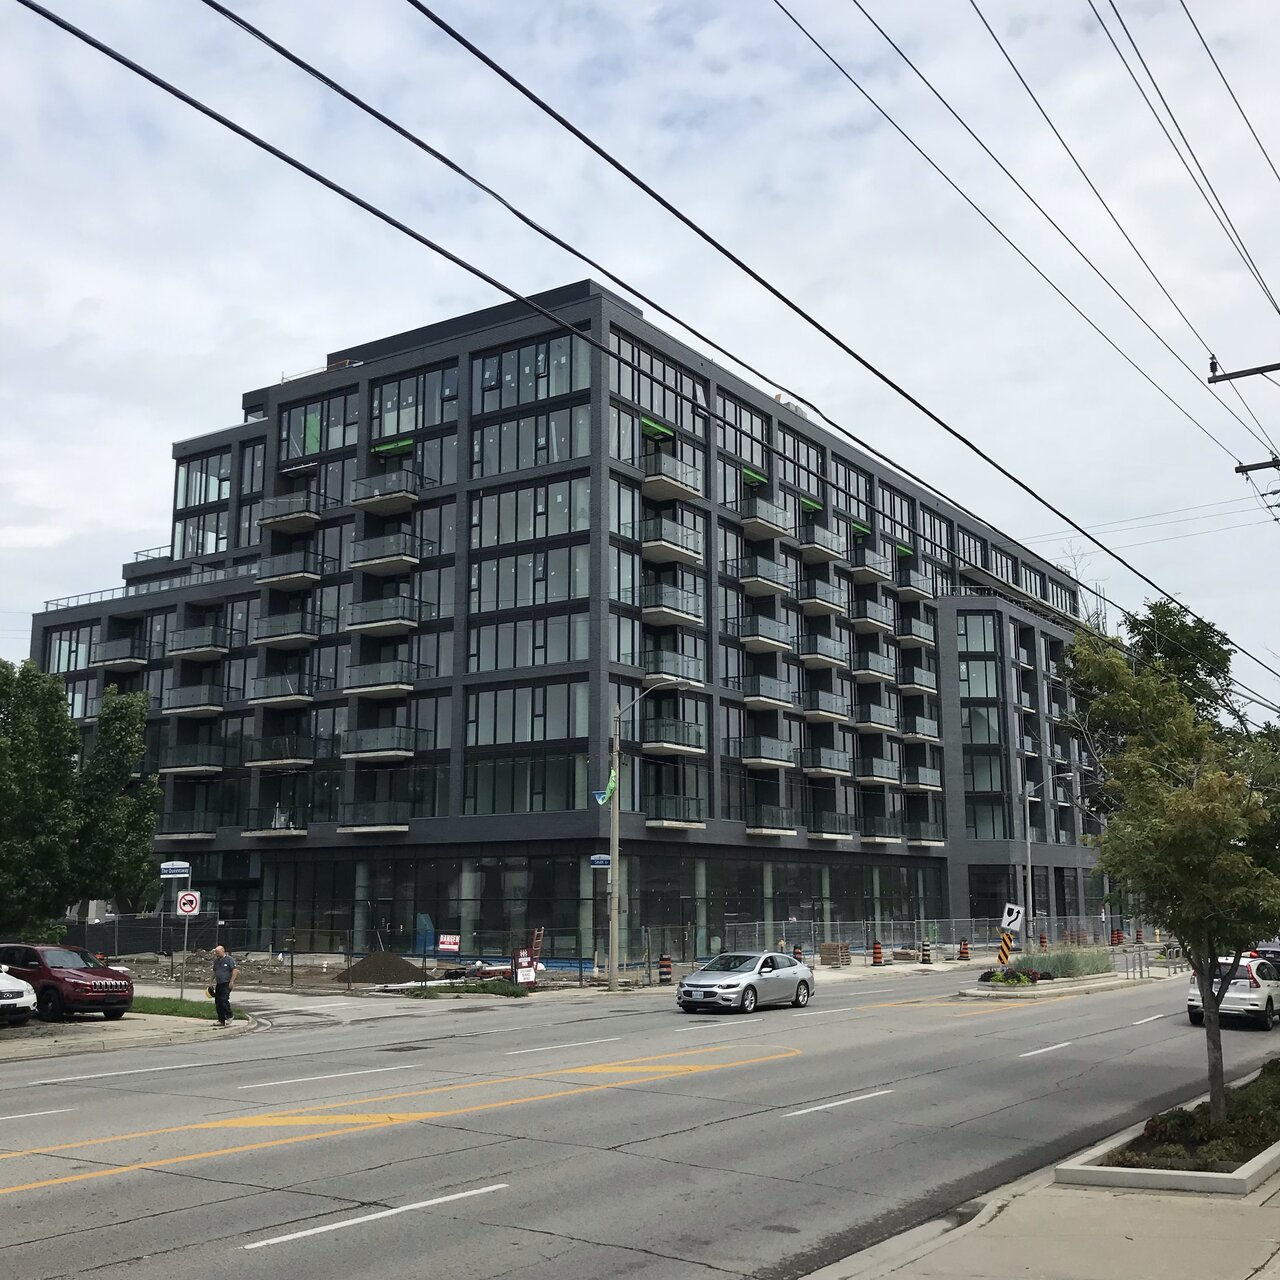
{"points": [[17, 999], [1253, 992]]}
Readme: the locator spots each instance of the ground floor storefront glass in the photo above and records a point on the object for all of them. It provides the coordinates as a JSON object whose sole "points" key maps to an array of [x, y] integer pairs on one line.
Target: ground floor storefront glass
{"points": [[675, 898]]}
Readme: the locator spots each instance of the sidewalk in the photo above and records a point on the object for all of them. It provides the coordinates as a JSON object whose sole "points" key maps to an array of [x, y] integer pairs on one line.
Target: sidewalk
{"points": [[93, 1035], [1037, 1230]]}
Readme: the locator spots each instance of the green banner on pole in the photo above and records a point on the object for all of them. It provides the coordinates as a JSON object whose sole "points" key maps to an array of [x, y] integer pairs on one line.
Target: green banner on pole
{"points": [[603, 797]]}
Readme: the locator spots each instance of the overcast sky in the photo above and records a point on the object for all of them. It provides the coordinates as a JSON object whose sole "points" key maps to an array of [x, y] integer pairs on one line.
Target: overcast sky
{"points": [[155, 266]]}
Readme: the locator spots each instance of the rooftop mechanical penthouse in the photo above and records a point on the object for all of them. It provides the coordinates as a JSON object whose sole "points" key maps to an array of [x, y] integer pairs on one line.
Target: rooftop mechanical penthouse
{"points": [[403, 596]]}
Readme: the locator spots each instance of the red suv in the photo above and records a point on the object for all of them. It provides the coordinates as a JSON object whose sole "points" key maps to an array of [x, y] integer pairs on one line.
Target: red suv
{"points": [[69, 980]]}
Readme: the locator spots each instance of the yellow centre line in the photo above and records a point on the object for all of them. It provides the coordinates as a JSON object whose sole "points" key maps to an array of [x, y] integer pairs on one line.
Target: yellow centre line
{"points": [[366, 1122]]}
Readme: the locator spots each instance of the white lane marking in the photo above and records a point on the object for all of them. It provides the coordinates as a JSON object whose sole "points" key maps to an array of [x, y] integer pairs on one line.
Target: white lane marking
{"points": [[106, 1075], [337, 1075], [577, 1044], [374, 1217], [844, 1102], [1049, 1048], [28, 1115], [817, 1013], [303, 1007], [1153, 1017]]}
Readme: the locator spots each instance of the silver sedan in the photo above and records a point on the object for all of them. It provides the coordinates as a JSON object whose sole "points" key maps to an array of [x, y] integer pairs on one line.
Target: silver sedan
{"points": [[745, 979]]}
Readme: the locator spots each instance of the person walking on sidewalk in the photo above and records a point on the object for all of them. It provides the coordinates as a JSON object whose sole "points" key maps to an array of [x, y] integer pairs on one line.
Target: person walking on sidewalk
{"points": [[224, 978]]}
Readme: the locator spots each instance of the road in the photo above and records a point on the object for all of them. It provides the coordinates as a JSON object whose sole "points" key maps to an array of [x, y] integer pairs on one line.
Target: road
{"points": [[572, 1135]]}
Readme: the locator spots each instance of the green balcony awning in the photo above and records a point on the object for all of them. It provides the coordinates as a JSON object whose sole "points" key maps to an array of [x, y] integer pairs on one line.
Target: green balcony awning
{"points": [[655, 429], [753, 477], [904, 550], [394, 446], [860, 527], [810, 504]]}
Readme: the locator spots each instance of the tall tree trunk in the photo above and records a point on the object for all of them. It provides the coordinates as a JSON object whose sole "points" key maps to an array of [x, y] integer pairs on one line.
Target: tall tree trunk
{"points": [[1213, 1043]]}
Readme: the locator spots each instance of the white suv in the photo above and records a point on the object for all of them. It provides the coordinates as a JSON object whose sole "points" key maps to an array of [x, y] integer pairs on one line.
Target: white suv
{"points": [[1254, 992], [17, 999]]}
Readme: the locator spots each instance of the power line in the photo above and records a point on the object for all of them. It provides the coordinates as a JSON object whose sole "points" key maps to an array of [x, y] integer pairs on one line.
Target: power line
{"points": [[555, 320], [1150, 515], [1199, 533], [791, 305], [1138, 526]]}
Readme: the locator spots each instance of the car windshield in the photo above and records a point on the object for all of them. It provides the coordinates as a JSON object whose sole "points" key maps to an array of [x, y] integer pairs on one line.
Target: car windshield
{"points": [[731, 963], [65, 958]]}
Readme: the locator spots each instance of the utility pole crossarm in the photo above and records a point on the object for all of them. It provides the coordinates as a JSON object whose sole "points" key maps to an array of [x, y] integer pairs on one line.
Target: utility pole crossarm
{"points": [[1241, 373], [1245, 467]]}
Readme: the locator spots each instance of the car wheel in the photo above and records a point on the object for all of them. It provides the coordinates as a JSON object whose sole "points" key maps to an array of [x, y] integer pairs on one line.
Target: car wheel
{"points": [[1195, 1017], [49, 1003], [748, 1000], [802, 995], [1268, 1016], [112, 1015]]}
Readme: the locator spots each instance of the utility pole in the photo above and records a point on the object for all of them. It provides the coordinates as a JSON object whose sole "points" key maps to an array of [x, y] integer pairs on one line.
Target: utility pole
{"points": [[1261, 370]]}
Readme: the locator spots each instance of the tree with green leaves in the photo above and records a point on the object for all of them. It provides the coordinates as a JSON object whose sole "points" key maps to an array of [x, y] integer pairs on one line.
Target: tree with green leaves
{"points": [[1190, 833], [74, 823]]}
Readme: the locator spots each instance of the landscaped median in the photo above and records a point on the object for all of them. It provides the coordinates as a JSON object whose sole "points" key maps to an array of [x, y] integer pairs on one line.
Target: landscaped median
{"points": [[1053, 973], [1178, 1150], [172, 1007]]}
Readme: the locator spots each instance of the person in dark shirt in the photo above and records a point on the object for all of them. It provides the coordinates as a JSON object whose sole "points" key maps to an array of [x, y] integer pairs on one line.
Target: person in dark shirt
{"points": [[224, 978]]}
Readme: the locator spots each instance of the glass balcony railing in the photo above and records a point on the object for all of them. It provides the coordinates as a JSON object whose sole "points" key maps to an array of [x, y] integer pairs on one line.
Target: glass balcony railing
{"points": [[872, 713], [772, 750], [278, 817], [815, 591], [751, 567], [683, 733], [671, 665], [372, 675], [919, 776], [275, 626], [187, 822], [673, 534], [675, 809], [924, 830], [765, 687], [193, 755], [913, 580], [919, 727], [761, 511], [662, 595], [825, 758], [383, 739], [390, 546], [869, 611], [129, 649], [375, 813], [184, 696], [385, 612], [872, 664], [296, 564], [880, 828], [913, 628], [212, 636], [872, 562], [771, 817], [384, 485], [757, 627], [817, 646], [286, 685], [812, 535], [665, 466], [828, 822], [820, 700], [877, 767], [919, 676], [273, 750], [281, 506]]}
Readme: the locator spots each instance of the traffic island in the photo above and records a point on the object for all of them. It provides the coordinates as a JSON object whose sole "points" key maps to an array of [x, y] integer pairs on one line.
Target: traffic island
{"points": [[1055, 989]]}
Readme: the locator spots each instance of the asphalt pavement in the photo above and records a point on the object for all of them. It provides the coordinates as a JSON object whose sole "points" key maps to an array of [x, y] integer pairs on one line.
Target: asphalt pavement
{"points": [[578, 1134]]}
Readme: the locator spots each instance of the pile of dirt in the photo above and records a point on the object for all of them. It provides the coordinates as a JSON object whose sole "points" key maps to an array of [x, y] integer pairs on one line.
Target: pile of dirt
{"points": [[381, 967]]}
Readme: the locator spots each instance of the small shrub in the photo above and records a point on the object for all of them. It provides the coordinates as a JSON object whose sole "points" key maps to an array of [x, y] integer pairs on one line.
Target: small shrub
{"points": [[1067, 962], [1123, 1158], [986, 975], [1169, 1151], [1222, 1151]]}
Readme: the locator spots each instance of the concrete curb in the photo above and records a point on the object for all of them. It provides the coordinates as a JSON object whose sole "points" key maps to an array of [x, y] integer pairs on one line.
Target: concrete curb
{"points": [[157, 1039], [1058, 988]]}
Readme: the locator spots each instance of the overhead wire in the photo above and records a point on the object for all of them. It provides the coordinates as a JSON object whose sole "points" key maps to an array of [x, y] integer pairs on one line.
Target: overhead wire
{"points": [[1243, 691]]}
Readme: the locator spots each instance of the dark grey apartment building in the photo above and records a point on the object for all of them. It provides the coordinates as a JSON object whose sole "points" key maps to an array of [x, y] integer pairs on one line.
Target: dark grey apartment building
{"points": [[403, 596]]}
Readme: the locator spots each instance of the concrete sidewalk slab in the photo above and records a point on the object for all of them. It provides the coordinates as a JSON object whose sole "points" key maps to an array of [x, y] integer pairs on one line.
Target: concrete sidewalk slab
{"points": [[133, 1031]]}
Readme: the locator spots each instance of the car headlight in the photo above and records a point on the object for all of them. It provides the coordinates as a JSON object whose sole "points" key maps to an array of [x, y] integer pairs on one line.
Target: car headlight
{"points": [[728, 986]]}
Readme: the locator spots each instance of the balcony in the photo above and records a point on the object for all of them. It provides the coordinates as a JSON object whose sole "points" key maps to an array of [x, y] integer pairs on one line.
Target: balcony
{"points": [[822, 707], [187, 824], [880, 830], [1027, 700], [1039, 835], [918, 680], [388, 493], [388, 616], [761, 753], [816, 651], [760, 576], [662, 605], [918, 778], [284, 751], [872, 668], [127, 654], [824, 762], [291, 512], [819, 545], [196, 700], [876, 769], [928, 833], [913, 633], [1058, 712], [382, 679], [675, 813], [870, 566], [663, 666], [666, 477], [870, 618], [765, 691], [393, 553], [199, 643], [1026, 660], [760, 634], [872, 717], [278, 820], [294, 630], [1030, 746], [763, 519], [826, 824], [665, 737], [289, 689], [193, 758], [374, 817], [821, 599], [919, 729], [388, 742], [664, 541], [770, 820], [294, 569], [913, 585]]}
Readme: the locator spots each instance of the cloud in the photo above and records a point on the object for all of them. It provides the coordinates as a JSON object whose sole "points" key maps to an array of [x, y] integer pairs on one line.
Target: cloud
{"points": [[160, 266]]}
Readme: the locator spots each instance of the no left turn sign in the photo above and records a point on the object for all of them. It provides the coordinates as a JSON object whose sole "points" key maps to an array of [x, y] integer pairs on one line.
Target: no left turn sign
{"points": [[189, 903]]}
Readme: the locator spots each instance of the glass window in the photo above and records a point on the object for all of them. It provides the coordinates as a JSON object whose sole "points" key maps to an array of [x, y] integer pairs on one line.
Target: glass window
{"points": [[537, 370], [412, 401], [332, 423], [660, 386]]}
